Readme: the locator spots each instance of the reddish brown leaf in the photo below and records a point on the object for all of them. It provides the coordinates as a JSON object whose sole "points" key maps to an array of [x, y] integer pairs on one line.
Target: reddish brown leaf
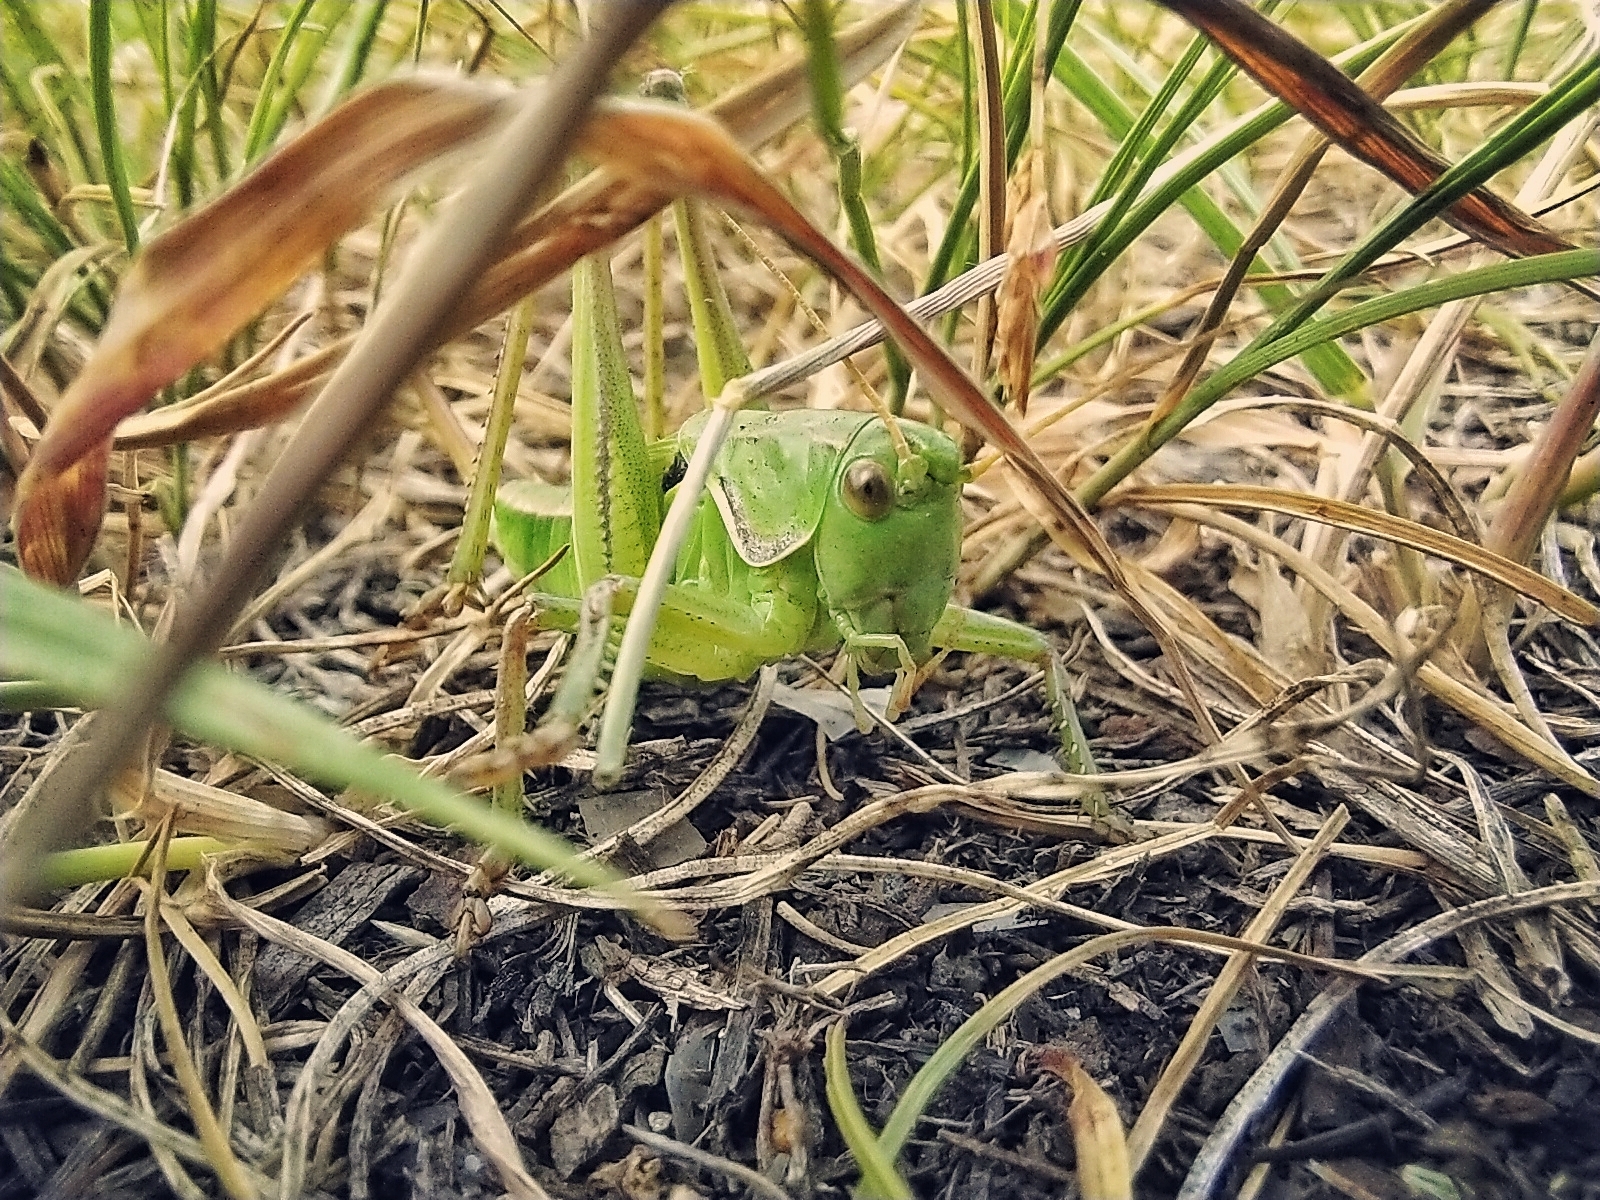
{"points": [[1335, 104], [57, 526], [194, 286]]}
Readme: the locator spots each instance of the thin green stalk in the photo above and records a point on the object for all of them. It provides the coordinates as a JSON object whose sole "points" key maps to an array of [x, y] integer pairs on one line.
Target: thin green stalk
{"points": [[655, 324], [363, 37], [969, 102], [198, 46], [105, 120], [827, 100], [154, 24], [305, 54], [466, 566], [271, 109], [1518, 40], [116, 860], [1137, 156], [1018, 84], [205, 21]]}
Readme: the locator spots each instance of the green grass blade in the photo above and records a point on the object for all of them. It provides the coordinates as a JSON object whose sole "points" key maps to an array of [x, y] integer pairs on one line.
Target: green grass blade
{"points": [[1017, 86], [305, 55], [268, 115], [23, 199], [1142, 148], [86, 659], [199, 45], [879, 1179], [105, 120], [953, 1051], [363, 36], [114, 860], [155, 28], [827, 100], [466, 566], [1334, 369], [1523, 272], [211, 88], [1540, 120]]}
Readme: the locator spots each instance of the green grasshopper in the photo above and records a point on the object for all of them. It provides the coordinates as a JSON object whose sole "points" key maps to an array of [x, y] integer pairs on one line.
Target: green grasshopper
{"points": [[821, 530]]}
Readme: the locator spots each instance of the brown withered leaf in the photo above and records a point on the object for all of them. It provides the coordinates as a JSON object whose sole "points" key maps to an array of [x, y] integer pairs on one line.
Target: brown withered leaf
{"points": [[57, 522], [1358, 519], [1031, 251], [1337, 105], [196, 285], [1097, 1135]]}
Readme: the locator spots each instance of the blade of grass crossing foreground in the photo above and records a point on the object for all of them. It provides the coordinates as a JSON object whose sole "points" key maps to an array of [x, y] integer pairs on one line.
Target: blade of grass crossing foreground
{"points": [[85, 659], [438, 273]]}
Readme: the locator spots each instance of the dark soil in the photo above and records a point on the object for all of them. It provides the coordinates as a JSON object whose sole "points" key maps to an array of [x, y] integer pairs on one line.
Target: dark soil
{"points": [[588, 1025]]}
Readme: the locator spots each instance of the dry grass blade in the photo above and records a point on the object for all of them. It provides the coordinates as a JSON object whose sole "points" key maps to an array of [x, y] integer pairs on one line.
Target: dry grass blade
{"points": [[1180, 1068], [105, 1104], [219, 1153], [477, 1102], [1377, 524], [1472, 703], [1260, 1093], [1331, 101], [193, 287], [1104, 1172], [1533, 496]]}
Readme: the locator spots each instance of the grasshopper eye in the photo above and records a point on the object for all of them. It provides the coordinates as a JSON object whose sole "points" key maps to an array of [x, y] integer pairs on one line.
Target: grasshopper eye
{"points": [[868, 490]]}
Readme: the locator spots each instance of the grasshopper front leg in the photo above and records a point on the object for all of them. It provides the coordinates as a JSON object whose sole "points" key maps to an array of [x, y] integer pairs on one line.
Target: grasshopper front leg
{"points": [[984, 633]]}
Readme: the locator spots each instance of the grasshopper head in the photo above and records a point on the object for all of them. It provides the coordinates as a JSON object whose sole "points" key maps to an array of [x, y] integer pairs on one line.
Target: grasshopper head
{"points": [[889, 540]]}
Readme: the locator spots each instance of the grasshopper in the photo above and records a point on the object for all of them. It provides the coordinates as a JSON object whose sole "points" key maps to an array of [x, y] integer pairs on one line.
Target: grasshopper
{"points": [[820, 531]]}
